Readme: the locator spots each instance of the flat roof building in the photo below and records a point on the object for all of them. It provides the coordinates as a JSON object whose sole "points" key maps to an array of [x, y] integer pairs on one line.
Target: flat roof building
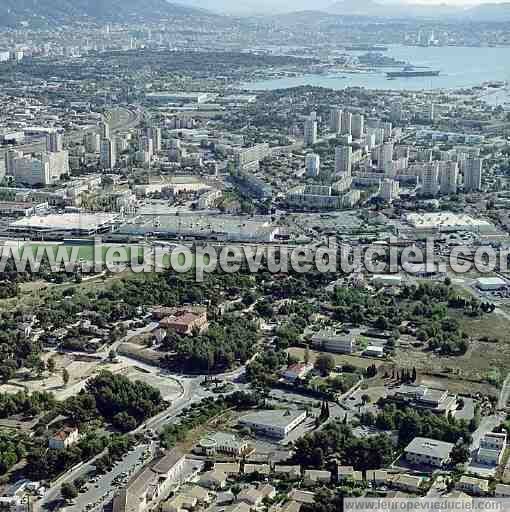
{"points": [[447, 221], [275, 423], [66, 223], [334, 341], [429, 452]]}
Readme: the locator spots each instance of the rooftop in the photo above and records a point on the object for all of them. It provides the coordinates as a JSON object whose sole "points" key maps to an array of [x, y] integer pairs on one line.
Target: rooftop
{"points": [[275, 418], [446, 220], [66, 221], [429, 447]]}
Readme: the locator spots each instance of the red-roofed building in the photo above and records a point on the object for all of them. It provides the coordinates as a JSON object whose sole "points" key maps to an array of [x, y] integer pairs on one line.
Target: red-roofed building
{"points": [[184, 321], [64, 438]]}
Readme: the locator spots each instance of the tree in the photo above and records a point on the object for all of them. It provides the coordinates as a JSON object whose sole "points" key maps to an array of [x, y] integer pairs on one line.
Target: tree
{"points": [[307, 354], [112, 356], [79, 483], [65, 376], [7, 372], [68, 491], [365, 399], [325, 363], [459, 454], [51, 365]]}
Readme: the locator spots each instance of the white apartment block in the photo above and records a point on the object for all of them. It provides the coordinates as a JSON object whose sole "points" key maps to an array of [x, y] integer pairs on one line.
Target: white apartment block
{"points": [[312, 165]]}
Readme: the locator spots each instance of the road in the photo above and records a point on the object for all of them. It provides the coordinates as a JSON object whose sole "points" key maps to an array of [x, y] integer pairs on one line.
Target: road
{"points": [[102, 490], [191, 392], [504, 394]]}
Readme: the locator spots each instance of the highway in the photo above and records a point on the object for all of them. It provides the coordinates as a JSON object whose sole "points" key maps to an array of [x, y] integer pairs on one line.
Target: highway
{"points": [[120, 119]]}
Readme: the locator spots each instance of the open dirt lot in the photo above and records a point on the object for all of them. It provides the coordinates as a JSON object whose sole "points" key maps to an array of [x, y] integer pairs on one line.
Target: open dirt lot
{"points": [[340, 359], [475, 370], [79, 371], [169, 388]]}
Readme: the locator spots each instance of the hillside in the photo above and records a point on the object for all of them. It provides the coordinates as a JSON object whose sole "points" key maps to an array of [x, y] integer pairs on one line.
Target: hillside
{"points": [[392, 10], [13, 12], [483, 12], [489, 12]]}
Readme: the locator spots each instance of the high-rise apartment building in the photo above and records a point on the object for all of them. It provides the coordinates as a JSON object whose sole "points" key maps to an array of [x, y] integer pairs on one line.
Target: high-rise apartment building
{"points": [[343, 160], [312, 164], [108, 157]]}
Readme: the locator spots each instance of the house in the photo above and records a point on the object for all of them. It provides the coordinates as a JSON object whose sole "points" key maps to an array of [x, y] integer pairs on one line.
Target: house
{"points": [[186, 320], [357, 476], [213, 480], [374, 351], [63, 438], [229, 468], [261, 469], [297, 371], [345, 472], [502, 491], [268, 491], [179, 503], [238, 507], [472, 485], [224, 498], [251, 496], [290, 506], [313, 477], [303, 497], [201, 494], [492, 447], [288, 471], [336, 341], [411, 483], [273, 423], [429, 452], [377, 477]]}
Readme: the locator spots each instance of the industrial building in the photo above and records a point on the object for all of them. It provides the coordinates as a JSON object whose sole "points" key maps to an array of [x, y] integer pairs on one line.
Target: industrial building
{"points": [[277, 423], [201, 227], [334, 341], [449, 222], [65, 224]]}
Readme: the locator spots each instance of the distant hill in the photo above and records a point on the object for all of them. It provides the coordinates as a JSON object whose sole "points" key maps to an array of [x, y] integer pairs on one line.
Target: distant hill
{"points": [[482, 12], [53, 11], [258, 7], [489, 12], [392, 10]]}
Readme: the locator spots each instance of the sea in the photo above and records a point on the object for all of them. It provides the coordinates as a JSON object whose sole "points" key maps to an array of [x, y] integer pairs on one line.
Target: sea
{"points": [[460, 67]]}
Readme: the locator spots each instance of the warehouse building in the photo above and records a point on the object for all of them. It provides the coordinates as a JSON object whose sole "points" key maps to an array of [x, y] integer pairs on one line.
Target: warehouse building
{"points": [[334, 341], [66, 224], [275, 423]]}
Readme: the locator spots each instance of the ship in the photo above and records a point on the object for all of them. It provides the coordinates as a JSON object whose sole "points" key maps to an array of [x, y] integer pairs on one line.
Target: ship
{"points": [[409, 72]]}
